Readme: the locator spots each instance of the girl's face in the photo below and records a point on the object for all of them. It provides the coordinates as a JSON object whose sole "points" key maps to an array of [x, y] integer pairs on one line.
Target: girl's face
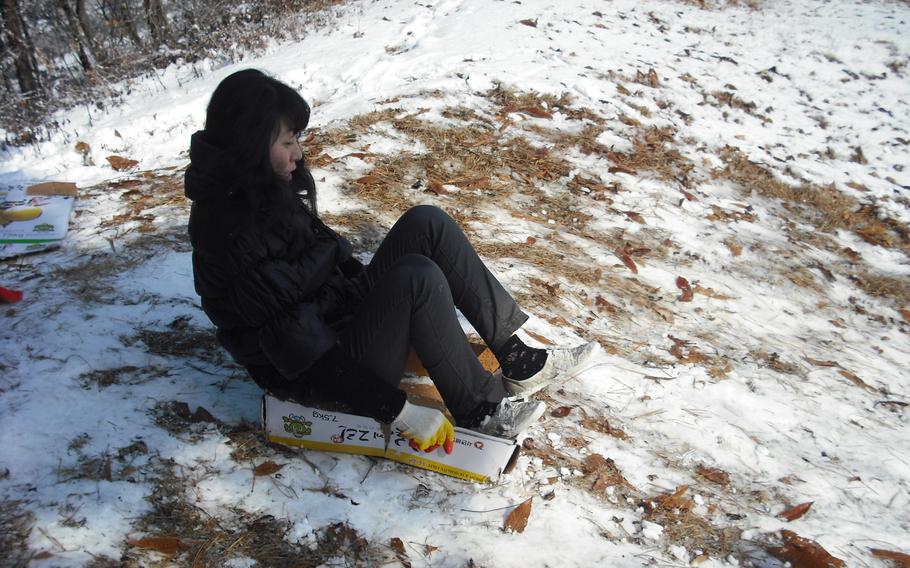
{"points": [[285, 152]]}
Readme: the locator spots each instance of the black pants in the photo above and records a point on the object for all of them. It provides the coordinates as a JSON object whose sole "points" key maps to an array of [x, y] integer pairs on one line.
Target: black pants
{"points": [[422, 271]]}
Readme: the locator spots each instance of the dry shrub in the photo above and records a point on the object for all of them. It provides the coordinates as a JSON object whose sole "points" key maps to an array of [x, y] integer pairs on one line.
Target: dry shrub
{"points": [[107, 466], [175, 417], [729, 99], [128, 374], [15, 527], [775, 362], [803, 278], [674, 512]]}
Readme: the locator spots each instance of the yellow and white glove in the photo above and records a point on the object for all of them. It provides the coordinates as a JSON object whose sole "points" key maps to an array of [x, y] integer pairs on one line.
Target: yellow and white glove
{"points": [[425, 427]]}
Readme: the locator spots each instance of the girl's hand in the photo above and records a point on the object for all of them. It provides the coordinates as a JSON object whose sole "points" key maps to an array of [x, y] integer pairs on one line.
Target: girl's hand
{"points": [[425, 428]]}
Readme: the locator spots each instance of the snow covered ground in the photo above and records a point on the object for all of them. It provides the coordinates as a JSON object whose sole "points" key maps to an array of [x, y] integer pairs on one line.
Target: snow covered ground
{"points": [[718, 196]]}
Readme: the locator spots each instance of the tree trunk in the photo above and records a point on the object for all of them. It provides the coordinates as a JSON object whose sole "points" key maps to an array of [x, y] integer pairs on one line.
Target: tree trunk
{"points": [[120, 18], [84, 25], [154, 16], [74, 28], [16, 39]]}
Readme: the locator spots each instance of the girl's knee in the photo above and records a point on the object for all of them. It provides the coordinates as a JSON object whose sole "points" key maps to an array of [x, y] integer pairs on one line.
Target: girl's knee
{"points": [[417, 266], [427, 215]]}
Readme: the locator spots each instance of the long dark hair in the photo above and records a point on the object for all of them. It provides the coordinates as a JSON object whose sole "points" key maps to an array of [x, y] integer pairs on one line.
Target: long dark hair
{"points": [[243, 118]]}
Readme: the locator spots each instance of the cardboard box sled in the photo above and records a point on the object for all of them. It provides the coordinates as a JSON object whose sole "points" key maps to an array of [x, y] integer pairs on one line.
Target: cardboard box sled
{"points": [[36, 218], [476, 457]]}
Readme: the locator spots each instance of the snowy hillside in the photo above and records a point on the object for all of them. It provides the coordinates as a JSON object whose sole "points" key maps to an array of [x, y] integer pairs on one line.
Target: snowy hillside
{"points": [[717, 194]]}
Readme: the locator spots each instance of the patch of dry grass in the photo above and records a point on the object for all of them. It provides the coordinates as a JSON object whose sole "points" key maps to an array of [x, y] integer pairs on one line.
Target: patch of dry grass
{"points": [[103, 378], [882, 286], [15, 527], [203, 541], [827, 209], [725, 4], [776, 362], [183, 341], [824, 207], [729, 99], [674, 512], [362, 227]]}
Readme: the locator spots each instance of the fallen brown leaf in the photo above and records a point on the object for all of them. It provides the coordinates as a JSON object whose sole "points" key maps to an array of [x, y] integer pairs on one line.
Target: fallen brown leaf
{"points": [[804, 553], [905, 313], [627, 260], [518, 518], [320, 161], [561, 411], [652, 78], [714, 475], [635, 217], [671, 501], [684, 351], [536, 112], [398, 546], [683, 285], [169, 545], [621, 170], [711, 293], [796, 512], [604, 305], [853, 256], [436, 187], [120, 163], [819, 363], [472, 183], [540, 338], [856, 380], [267, 468], [602, 425], [900, 559], [552, 289], [369, 179], [604, 473]]}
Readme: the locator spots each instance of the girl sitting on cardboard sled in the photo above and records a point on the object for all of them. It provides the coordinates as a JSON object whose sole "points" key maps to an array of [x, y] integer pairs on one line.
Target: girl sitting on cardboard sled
{"points": [[303, 316]]}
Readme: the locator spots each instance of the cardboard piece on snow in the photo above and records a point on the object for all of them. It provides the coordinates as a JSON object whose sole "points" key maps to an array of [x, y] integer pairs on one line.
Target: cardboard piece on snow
{"points": [[476, 457], [36, 218]]}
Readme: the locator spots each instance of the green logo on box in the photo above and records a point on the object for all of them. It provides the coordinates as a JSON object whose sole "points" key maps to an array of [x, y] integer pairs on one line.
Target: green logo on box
{"points": [[297, 426]]}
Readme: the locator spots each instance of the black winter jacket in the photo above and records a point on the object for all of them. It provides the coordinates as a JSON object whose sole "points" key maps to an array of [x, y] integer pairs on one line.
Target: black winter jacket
{"points": [[275, 292]]}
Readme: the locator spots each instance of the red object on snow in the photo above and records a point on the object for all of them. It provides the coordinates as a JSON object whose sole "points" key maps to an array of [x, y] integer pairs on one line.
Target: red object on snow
{"points": [[10, 296]]}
